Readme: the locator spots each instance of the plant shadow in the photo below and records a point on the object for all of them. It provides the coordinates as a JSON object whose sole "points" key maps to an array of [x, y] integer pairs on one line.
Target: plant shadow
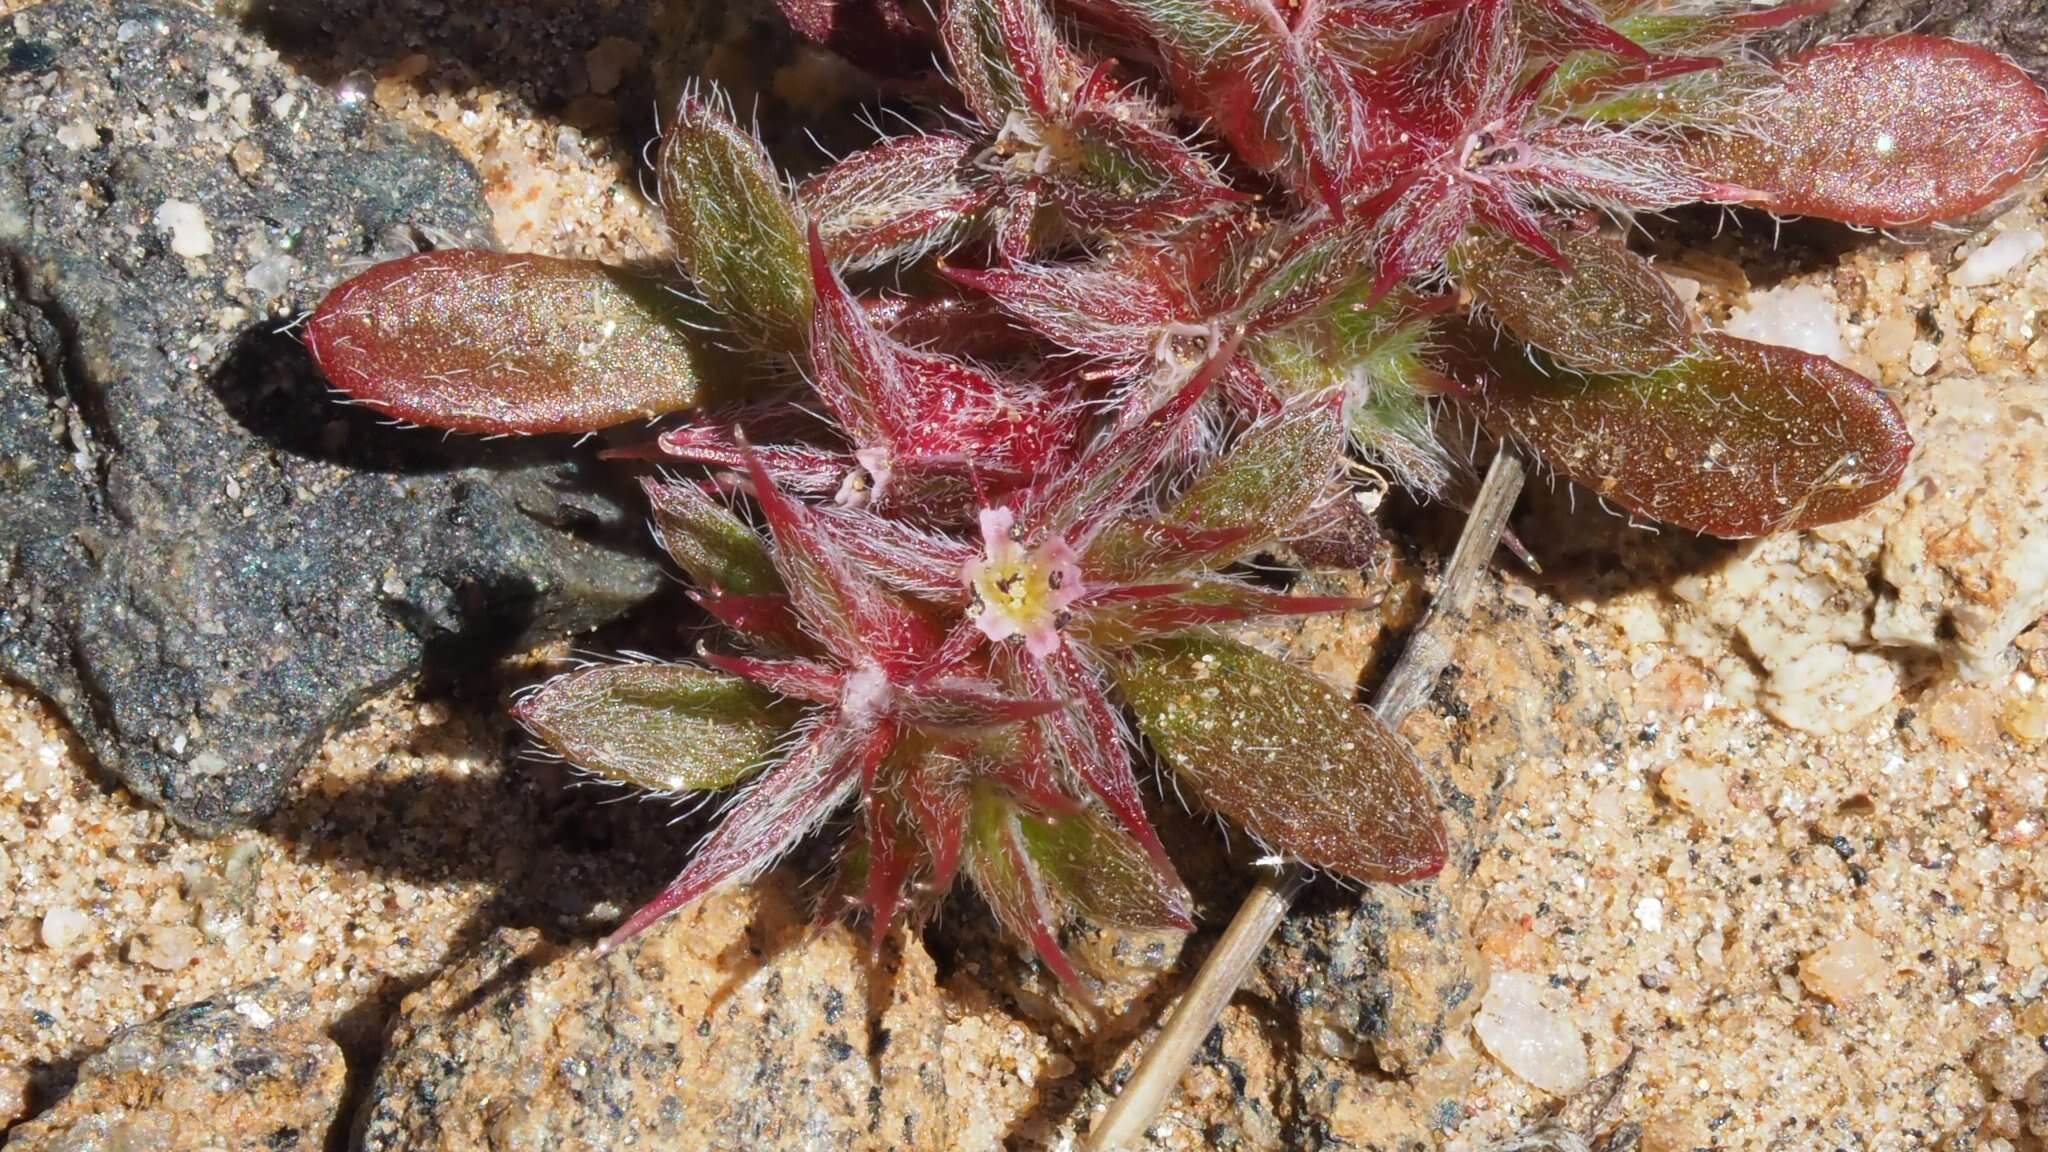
{"points": [[607, 69]]}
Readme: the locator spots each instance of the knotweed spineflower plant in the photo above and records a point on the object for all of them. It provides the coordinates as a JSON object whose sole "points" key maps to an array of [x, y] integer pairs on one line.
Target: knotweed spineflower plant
{"points": [[965, 439]]}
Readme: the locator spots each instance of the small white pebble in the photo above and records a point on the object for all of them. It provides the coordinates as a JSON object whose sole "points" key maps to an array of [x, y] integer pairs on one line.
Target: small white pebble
{"points": [[2000, 255], [79, 135], [255, 1013], [1650, 914], [62, 927], [1532, 1041], [186, 224], [1800, 316], [1845, 970], [165, 947], [1921, 358]]}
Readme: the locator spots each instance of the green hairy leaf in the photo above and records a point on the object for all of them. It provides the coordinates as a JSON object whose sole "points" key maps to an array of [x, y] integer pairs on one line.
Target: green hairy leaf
{"points": [[664, 727], [735, 232], [719, 550], [1103, 873], [1286, 757]]}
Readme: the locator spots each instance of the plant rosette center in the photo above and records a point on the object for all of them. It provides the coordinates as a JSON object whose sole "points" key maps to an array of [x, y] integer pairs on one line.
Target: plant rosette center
{"points": [[1492, 150], [1020, 591]]}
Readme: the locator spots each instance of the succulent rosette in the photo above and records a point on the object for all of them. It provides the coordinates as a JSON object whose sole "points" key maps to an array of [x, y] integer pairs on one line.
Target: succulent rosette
{"points": [[966, 437]]}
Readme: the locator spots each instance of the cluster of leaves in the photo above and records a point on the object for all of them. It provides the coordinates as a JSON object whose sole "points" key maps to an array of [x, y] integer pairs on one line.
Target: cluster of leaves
{"points": [[1158, 273]]}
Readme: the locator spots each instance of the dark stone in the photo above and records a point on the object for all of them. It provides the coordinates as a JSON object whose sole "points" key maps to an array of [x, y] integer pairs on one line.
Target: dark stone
{"points": [[205, 563], [2018, 28], [245, 1069]]}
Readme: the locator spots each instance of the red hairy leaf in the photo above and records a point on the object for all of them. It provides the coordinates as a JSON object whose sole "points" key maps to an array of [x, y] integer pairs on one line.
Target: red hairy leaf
{"points": [[1079, 502], [1007, 58], [1560, 27], [856, 370], [764, 618], [899, 200], [888, 37], [1089, 743], [1015, 889], [1739, 439], [1125, 175], [957, 703], [810, 471], [1248, 498], [1223, 57], [1098, 311], [795, 679], [937, 803], [1885, 131], [776, 811], [492, 342], [1606, 310], [860, 621]]}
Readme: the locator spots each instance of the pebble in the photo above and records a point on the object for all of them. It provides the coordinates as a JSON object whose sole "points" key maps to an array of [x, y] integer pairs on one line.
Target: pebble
{"points": [[186, 224], [1964, 717], [1650, 914], [202, 1078], [165, 947], [2004, 252], [1535, 1042], [79, 134], [1696, 789], [1800, 316], [62, 926], [1846, 970], [2025, 719], [1921, 359]]}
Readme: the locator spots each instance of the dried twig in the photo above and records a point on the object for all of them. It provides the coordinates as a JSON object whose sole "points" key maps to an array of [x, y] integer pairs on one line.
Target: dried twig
{"points": [[1224, 971]]}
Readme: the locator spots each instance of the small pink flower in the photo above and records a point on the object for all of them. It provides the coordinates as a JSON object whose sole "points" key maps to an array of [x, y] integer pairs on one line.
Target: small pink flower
{"points": [[1021, 591]]}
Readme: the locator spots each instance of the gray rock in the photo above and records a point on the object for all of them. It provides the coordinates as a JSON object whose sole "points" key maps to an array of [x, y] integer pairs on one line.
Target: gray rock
{"points": [[2018, 28], [247, 1070], [735, 1027], [205, 563]]}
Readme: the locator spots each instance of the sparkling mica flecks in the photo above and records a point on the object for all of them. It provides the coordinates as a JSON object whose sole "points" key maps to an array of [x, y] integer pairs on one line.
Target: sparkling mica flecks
{"points": [[1021, 591]]}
